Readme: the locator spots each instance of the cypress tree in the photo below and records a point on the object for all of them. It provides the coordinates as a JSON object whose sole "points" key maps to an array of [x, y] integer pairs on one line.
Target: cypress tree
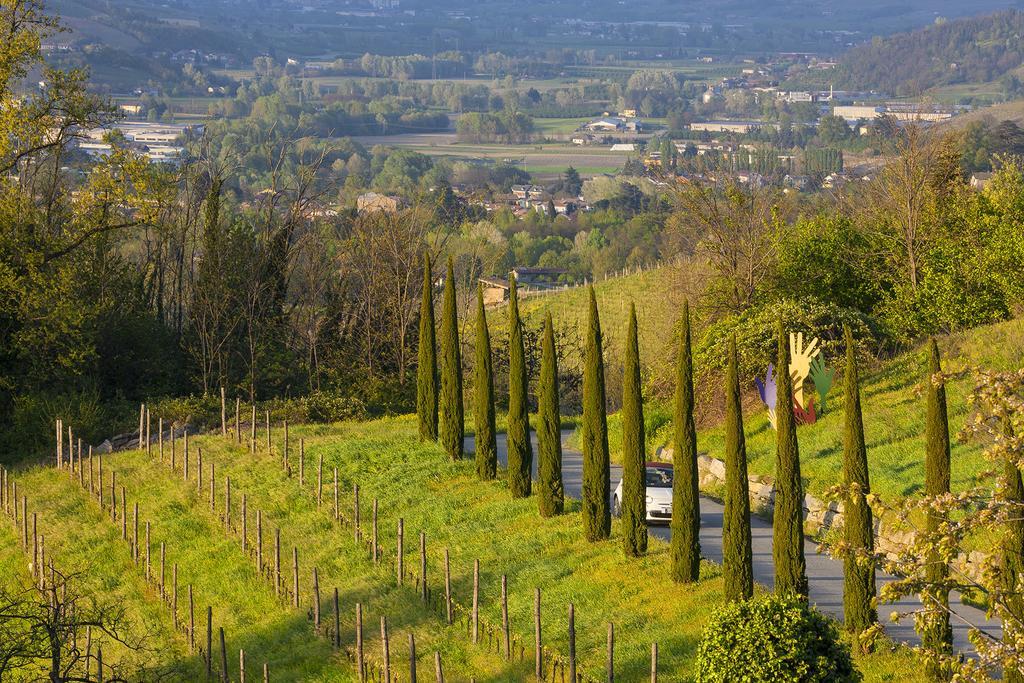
{"points": [[520, 450], [551, 498], [737, 555], [597, 519], [788, 516], [483, 396], [1012, 554], [426, 370], [685, 542], [634, 485], [859, 575], [936, 635], [452, 417]]}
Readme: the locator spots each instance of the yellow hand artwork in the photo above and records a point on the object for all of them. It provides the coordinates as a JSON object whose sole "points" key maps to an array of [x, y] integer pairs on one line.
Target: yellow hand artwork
{"points": [[800, 363]]}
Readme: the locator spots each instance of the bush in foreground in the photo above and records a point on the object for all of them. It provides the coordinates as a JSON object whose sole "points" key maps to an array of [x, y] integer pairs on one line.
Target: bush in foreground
{"points": [[773, 638]]}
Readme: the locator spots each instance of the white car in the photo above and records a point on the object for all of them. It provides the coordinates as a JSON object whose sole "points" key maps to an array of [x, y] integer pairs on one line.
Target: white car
{"points": [[659, 493]]}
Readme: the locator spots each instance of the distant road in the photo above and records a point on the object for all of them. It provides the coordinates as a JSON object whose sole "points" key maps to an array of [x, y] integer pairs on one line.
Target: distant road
{"points": [[824, 573]]}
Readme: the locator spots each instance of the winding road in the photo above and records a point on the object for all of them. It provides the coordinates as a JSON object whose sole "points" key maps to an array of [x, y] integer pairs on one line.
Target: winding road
{"points": [[824, 574]]}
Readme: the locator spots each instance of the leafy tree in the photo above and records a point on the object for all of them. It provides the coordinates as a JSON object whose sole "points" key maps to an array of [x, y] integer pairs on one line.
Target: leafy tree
{"points": [[1012, 561], [596, 462], [571, 181], [520, 450], [451, 413], [485, 439], [426, 372], [858, 525], [685, 523], [737, 554], [788, 517], [936, 633], [551, 498], [634, 489]]}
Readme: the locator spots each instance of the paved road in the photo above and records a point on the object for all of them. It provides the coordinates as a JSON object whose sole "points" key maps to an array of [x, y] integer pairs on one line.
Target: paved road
{"points": [[825, 574]]}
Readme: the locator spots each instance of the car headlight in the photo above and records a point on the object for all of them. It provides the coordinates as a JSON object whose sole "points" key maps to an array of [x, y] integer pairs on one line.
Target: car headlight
{"points": [[649, 500]]}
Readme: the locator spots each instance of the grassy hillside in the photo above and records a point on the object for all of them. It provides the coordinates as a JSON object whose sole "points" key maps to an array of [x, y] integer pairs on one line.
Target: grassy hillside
{"points": [[474, 520]]}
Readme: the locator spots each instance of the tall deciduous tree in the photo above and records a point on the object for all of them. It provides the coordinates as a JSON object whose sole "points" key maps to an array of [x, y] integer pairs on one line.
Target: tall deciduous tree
{"points": [[597, 521], [858, 568], [426, 372], [936, 633], [483, 396], [453, 423], [551, 493], [634, 489], [520, 450], [737, 555], [685, 481], [788, 517]]}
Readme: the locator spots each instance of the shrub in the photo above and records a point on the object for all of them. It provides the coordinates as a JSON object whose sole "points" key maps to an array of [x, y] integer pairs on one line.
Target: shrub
{"points": [[773, 638]]}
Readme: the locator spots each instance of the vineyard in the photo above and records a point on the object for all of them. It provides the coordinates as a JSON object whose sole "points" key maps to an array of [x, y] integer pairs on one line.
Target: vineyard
{"points": [[340, 553]]}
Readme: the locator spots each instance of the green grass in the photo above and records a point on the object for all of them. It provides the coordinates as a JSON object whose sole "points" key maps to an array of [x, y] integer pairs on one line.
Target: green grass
{"points": [[558, 126], [473, 519]]}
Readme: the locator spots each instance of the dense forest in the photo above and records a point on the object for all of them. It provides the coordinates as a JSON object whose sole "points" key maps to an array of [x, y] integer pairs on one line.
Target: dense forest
{"points": [[976, 49]]}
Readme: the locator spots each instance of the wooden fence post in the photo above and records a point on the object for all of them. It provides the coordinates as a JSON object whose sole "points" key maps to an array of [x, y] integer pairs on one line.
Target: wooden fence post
{"points": [[538, 649], [159, 439], [142, 417], [191, 620], [654, 662], [412, 657], [572, 643], [438, 673], [355, 511], [148, 553], [386, 649], [337, 621], [337, 511], [149, 438], [184, 457], [227, 502], [213, 487], [476, 601], [302, 462], [320, 481], [223, 646], [504, 616], [259, 540], [174, 595], [360, 661], [163, 570], [375, 545], [241, 653], [295, 577], [238, 437], [135, 533], [447, 589], [223, 413], [245, 522], [284, 456], [209, 641], [611, 652], [199, 470], [316, 600], [124, 514], [270, 441], [252, 439], [174, 464], [400, 560], [266, 673]]}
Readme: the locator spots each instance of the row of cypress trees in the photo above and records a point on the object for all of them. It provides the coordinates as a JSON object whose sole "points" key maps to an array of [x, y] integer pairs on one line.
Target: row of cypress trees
{"points": [[788, 536]]}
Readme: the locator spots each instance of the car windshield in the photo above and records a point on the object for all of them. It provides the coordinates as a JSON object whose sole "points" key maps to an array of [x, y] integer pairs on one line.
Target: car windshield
{"points": [[659, 477]]}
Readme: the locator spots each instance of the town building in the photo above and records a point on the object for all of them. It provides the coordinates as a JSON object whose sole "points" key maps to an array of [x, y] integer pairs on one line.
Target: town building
{"points": [[372, 201]]}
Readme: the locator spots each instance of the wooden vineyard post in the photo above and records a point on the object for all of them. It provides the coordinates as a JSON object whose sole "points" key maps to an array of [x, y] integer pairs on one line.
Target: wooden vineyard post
{"points": [[60, 445], [654, 663], [504, 617], [538, 648], [337, 511], [163, 570], [270, 442], [295, 577], [238, 432], [284, 457], [386, 650], [424, 593], [438, 673], [142, 418], [241, 658], [135, 533], [360, 660], [174, 594], [400, 560], [277, 561], [266, 673], [245, 523], [174, 464], [209, 641], [159, 438], [213, 487], [412, 657], [316, 600], [223, 413], [124, 515], [476, 602], [227, 502], [252, 437], [302, 463], [149, 437], [572, 643], [184, 457], [375, 545], [191, 620], [199, 470], [148, 552], [259, 540], [337, 621], [447, 589], [223, 652], [611, 652]]}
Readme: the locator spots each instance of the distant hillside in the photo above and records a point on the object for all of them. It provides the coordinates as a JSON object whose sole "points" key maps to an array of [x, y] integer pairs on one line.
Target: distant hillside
{"points": [[977, 49]]}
